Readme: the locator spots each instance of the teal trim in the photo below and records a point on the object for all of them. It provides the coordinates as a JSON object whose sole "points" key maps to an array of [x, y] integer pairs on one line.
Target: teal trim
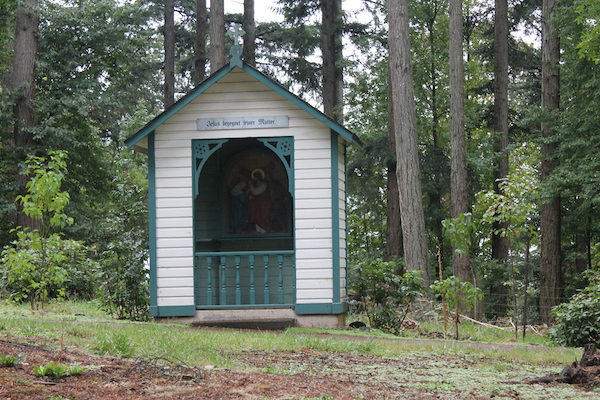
{"points": [[174, 311], [271, 84], [335, 216], [346, 216], [236, 53], [152, 224], [283, 147], [175, 108], [320, 308], [233, 279]]}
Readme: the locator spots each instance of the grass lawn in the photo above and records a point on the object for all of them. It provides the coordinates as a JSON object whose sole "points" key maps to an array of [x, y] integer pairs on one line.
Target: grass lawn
{"points": [[482, 363]]}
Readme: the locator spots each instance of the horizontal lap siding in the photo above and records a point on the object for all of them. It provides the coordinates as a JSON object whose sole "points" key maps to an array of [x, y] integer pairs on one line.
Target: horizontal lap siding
{"points": [[174, 227], [312, 160], [238, 94]]}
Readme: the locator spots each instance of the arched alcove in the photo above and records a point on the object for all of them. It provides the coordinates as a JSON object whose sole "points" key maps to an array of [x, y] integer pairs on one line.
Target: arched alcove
{"points": [[243, 195]]}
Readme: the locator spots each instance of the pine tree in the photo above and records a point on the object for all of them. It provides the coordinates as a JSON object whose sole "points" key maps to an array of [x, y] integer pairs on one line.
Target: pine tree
{"points": [[405, 125]]}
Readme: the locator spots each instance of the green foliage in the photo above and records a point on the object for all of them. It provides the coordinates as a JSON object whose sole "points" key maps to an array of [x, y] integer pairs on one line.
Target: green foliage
{"points": [[97, 67], [34, 268], [588, 15], [516, 205], [41, 265], [57, 370], [577, 322], [386, 296], [124, 292], [68, 271], [7, 15], [81, 269], [458, 295], [54, 369], [115, 345], [576, 176], [459, 231], [367, 169], [8, 360], [44, 200]]}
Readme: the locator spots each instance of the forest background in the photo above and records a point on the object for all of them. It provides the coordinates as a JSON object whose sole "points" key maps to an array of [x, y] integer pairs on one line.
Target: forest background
{"points": [[80, 76]]}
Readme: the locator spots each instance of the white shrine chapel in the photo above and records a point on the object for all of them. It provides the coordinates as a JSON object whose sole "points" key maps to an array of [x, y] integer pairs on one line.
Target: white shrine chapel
{"points": [[247, 205]]}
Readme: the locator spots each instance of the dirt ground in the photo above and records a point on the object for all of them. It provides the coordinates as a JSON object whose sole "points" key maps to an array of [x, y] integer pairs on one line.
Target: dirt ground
{"points": [[302, 374]]}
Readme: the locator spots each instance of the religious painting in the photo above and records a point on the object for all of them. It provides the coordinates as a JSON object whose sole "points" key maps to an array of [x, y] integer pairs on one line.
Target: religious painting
{"points": [[255, 195]]}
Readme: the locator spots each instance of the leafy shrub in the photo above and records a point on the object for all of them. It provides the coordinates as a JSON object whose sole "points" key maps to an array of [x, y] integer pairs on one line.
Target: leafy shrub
{"points": [[36, 268], [125, 292], [82, 271], [458, 295], [386, 296], [8, 360], [578, 320], [57, 370], [32, 268]]}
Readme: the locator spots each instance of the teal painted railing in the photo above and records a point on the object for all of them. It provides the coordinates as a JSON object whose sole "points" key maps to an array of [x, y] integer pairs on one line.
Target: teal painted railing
{"points": [[244, 279]]}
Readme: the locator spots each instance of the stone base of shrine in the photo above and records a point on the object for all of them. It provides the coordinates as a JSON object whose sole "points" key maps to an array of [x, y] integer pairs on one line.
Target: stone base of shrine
{"points": [[263, 319]]}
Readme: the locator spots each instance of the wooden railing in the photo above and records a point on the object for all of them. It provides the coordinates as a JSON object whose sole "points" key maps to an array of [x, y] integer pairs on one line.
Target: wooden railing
{"points": [[244, 278]]}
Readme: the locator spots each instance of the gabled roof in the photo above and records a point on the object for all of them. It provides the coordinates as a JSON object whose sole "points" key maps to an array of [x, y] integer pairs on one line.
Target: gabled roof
{"points": [[270, 83]]}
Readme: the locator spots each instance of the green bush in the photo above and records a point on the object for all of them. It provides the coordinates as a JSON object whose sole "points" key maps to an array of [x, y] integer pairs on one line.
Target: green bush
{"points": [[124, 292], [32, 271], [36, 270], [82, 271], [578, 320], [385, 296], [41, 265]]}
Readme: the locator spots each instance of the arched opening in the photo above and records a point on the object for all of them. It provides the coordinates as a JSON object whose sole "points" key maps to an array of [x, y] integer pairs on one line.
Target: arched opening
{"points": [[243, 222], [244, 199]]}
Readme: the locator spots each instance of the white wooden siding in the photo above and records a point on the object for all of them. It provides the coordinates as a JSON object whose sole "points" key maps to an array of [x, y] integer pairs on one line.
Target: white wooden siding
{"points": [[342, 216], [238, 94]]}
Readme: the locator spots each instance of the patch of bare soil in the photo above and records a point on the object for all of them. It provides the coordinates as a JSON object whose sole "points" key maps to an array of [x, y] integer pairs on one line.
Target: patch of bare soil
{"points": [[280, 375]]}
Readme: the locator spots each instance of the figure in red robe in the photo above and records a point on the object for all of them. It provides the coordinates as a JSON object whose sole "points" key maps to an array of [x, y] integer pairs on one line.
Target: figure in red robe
{"points": [[260, 202]]}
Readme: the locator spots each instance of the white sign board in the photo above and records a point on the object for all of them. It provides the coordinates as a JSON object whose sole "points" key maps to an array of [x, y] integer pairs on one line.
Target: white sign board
{"points": [[211, 124]]}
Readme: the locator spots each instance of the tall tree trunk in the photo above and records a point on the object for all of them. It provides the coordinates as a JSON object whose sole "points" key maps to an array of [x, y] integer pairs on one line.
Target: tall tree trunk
{"points": [[217, 35], [500, 244], [458, 147], [249, 52], [200, 42], [407, 151], [331, 42], [550, 247], [20, 81], [393, 245], [169, 53]]}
